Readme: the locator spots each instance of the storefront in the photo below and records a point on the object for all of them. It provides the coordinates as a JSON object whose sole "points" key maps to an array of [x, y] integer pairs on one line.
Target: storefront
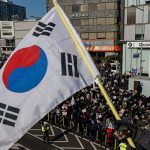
{"points": [[136, 58], [101, 50]]}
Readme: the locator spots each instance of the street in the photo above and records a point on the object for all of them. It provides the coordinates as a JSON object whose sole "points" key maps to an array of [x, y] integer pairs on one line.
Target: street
{"points": [[32, 140]]}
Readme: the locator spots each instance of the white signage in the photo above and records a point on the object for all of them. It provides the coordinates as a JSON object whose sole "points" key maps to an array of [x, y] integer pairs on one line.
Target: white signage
{"points": [[7, 29], [138, 44]]}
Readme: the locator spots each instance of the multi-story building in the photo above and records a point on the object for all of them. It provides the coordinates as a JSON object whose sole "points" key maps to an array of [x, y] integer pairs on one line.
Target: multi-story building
{"points": [[12, 32], [96, 21], [10, 11], [136, 41], [7, 37]]}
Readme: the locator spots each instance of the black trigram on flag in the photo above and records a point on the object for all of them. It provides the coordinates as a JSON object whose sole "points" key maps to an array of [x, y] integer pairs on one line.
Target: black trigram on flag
{"points": [[69, 65], [43, 29], [8, 114]]}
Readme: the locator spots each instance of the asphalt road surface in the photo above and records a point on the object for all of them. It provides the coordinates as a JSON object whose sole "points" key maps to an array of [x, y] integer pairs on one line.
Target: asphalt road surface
{"points": [[60, 140]]}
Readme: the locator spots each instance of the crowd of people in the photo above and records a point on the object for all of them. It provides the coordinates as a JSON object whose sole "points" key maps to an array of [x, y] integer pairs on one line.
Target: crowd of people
{"points": [[3, 58], [88, 114]]}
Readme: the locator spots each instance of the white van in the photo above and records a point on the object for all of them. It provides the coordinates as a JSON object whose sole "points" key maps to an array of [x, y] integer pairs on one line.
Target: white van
{"points": [[115, 67]]}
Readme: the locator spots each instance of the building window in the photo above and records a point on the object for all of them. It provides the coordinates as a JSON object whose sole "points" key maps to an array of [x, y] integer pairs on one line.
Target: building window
{"points": [[138, 36], [84, 22], [76, 22], [111, 20], [138, 2], [84, 36], [142, 2], [110, 35], [135, 2], [84, 8], [131, 2], [139, 32], [149, 13], [131, 15], [116, 6], [68, 9], [92, 36], [101, 35], [101, 6], [92, 7], [101, 21], [75, 8], [3, 9], [92, 22], [110, 6]]}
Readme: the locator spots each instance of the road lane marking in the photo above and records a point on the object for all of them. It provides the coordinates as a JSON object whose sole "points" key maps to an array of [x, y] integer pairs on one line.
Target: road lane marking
{"points": [[52, 131], [64, 135], [53, 134], [18, 146], [42, 140], [82, 138], [81, 146], [93, 146]]}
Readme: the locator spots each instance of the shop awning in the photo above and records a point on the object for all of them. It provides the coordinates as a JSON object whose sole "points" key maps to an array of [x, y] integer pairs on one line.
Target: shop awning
{"points": [[104, 48]]}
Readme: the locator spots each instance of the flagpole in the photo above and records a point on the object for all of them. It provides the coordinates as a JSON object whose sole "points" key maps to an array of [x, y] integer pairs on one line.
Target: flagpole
{"points": [[100, 85]]}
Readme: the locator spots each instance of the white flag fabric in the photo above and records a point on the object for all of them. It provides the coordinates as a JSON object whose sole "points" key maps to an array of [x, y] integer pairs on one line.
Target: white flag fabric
{"points": [[45, 69]]}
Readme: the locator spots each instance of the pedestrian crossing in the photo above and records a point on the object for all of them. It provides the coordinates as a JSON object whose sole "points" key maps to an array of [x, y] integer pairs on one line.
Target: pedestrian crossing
{"points": [[61, 140], [18, 146]]}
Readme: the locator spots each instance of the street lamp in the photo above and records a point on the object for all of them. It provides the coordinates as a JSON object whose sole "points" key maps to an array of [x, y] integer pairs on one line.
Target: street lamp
{"points": [[142, 38]]}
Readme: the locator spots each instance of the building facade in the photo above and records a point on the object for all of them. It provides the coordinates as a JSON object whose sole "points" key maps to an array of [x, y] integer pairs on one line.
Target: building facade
{"points": [[10, 11], [22, 28], [6, 29], [96, 22], [7, 37], [136, 42], [12, 32]]}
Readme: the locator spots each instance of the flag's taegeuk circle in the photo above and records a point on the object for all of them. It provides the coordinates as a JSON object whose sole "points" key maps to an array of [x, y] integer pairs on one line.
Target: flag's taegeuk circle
{"points": [[25, 69]]}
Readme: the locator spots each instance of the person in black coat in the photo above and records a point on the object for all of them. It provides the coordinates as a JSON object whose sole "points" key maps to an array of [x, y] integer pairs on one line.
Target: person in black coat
{"points": [[139, 132]]}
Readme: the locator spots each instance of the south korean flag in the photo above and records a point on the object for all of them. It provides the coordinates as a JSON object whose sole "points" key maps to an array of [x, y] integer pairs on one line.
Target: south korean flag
{"points": [[44, 70]]}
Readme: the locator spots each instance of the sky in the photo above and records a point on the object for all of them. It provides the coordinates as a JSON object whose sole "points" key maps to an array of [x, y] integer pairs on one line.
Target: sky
{"points": [[35, 8]]}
